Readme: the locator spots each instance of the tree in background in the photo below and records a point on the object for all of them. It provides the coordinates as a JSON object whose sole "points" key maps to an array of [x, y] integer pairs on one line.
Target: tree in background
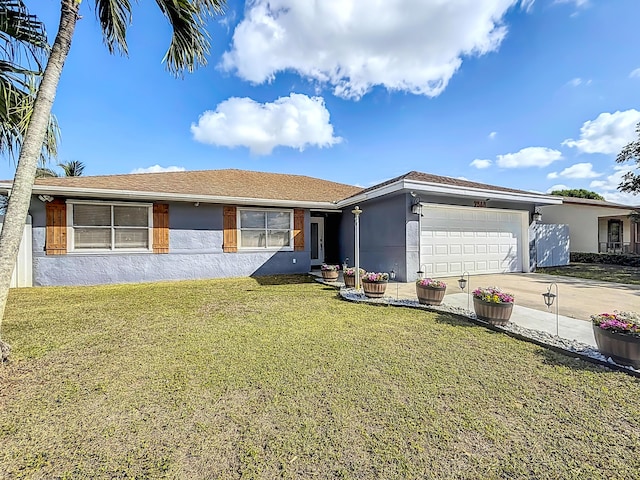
{"points": [[578, 193], [631, 180], [188, 49], [72, 168]]}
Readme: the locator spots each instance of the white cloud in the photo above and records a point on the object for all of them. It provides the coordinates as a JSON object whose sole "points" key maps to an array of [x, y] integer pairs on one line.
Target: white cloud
{"points": [[576, 3], [407, 45], [529, 157], [635, 73], [622, 198], [579, 170], [296, 121], [492, 135], [608, 188], [612, 181], [158, 169], [576, 82], [481, 163], [607, 134], [557, 187]]}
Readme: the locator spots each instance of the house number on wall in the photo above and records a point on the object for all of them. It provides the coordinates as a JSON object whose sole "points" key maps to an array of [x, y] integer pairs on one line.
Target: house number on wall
{"points": [[479, 203]]}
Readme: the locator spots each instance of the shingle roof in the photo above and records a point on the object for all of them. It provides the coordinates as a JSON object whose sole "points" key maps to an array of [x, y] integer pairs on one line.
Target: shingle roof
{"points": [[223, 183], [429, 178], [598, 203]]}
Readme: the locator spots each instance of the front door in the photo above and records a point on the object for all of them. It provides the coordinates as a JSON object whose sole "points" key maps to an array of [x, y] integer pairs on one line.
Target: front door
{"points": [[317, 241]]}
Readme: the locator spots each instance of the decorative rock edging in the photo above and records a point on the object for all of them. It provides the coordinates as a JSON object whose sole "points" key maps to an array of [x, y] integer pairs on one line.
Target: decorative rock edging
{"points": [[564, 346]]}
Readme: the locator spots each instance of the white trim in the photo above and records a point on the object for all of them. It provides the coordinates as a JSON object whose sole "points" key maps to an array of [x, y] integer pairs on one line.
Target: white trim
{"points": [[427, 188], [288, 248], [176, 197], [71, 248]]}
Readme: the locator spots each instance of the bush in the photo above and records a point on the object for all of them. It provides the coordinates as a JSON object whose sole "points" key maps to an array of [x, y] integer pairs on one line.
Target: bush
{"points": [[606, 258]]}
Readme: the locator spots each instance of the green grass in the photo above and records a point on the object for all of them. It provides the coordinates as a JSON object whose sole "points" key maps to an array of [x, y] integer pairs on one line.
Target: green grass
{"points": [[597, 271], [280, 379]]}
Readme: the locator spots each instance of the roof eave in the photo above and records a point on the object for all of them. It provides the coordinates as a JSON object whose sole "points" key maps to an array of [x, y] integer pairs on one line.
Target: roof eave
{"points": [[453, 190], [175, 197]]}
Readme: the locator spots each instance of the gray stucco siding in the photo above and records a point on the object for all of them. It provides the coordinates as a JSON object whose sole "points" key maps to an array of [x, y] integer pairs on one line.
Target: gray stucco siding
{"points": [[390, 233], [382, 235], [195, 252]]}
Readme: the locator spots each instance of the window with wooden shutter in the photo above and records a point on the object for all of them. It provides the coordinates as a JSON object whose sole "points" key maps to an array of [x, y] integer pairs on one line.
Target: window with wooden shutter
{"points": [[298, 230], [56, 229], [230, 232], [160, 228]]}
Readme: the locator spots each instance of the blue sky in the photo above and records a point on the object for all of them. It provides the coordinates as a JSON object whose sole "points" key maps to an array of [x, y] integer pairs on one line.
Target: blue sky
{"points": [[527, 94]]}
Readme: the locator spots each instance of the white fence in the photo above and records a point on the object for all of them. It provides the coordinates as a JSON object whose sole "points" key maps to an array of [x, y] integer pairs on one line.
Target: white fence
{"points": [[22, 272], [548, 245]]}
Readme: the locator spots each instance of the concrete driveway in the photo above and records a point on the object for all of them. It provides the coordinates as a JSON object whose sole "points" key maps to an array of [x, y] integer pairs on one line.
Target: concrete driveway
{"points": [[578, 298]]}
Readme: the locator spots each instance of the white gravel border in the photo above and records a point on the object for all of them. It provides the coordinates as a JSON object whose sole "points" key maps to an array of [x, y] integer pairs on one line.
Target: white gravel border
{"points": [[566, 346]]}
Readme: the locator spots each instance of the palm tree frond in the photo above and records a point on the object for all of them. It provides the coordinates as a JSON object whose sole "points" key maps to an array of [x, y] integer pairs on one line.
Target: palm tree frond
{"points": [[190, 40], [74, 168], [114, 17]]}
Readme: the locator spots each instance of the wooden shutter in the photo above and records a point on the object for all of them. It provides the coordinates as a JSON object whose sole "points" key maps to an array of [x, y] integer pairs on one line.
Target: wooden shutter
{"points": [[298, 230], [160, 228], [56, 230], [230, 234]]}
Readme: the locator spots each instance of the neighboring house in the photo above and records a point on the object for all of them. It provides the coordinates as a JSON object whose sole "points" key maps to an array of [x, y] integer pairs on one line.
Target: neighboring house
{"points": [[226, 223], [596, 226]]}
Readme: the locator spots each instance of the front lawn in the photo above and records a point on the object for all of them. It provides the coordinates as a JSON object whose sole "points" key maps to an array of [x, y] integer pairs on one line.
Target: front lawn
{"points": [[280, 379], [597, 271]]}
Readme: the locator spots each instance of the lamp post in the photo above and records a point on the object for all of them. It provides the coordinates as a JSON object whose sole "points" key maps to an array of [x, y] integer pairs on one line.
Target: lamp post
{"points": [[356, 224], [462, 283], [548, 301]]}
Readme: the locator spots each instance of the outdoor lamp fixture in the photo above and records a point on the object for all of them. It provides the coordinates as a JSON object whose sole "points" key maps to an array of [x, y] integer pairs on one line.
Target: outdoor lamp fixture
{"points": [[462, 283], [392, 274], [345, 264], [356, 225], [537, 216], [548, 301], [416, 208]]}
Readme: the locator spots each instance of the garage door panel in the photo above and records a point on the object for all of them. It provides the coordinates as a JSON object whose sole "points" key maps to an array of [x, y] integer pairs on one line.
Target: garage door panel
{"points": [[458, 239]]}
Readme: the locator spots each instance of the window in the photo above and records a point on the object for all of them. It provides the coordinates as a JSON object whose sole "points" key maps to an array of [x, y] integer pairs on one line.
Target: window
{"points": [[268, 229], [98, 226]]}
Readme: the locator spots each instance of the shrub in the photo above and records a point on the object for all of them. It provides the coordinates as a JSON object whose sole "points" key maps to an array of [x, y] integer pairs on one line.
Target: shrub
{"points": [[605, 258]]}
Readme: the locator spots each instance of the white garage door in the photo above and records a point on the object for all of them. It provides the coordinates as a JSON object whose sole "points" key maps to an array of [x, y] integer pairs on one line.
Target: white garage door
{"points": [[476, 240]]}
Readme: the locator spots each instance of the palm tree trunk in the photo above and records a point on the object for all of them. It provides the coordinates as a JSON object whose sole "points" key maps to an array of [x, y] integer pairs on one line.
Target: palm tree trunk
{"points": [[20, 198]]}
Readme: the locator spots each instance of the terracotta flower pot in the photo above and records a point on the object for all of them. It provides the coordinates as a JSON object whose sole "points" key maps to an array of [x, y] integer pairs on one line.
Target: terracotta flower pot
{"points": [[430, 295], [374, 289], [330, 275], [622, 348], [493, 313]]}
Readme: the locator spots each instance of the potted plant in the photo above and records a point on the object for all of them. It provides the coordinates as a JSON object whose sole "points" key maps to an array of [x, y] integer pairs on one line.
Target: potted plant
{"points": [[349, 275], [492, 305], [430, 291], [330, 272], [618, 336], [374, 284]]}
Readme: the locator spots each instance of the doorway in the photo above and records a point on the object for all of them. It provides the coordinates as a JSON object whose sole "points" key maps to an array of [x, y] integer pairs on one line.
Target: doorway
{"points": [[317, 241]]}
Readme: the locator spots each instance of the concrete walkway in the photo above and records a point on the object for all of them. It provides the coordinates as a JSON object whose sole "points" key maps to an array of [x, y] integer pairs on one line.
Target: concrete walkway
{"points": [[578, 300]]}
